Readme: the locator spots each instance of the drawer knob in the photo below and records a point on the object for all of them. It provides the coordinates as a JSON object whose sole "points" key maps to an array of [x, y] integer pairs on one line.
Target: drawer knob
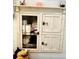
{"points": [[42, 43], [43, 23], [45, 44]]}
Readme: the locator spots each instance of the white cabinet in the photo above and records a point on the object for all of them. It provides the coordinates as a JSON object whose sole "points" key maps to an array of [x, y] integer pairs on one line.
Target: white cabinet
{"points": [[40, 30]]}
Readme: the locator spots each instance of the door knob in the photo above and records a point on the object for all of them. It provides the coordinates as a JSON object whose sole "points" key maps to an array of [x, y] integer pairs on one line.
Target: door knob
{"points": [[37, 33], [42, 43], [43, 23]]}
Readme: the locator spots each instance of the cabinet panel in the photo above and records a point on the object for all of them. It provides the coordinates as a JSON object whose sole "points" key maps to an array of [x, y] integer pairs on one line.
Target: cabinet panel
{"points": [[50, 43], [51, 23]]}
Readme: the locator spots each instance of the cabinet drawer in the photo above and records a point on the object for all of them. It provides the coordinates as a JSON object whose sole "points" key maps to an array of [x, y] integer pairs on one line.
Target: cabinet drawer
{"points": [[52, 23], [50, 43]]}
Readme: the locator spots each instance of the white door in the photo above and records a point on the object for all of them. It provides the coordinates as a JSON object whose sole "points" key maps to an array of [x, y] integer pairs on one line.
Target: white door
{"points": [[51, 23], [50, 44]]}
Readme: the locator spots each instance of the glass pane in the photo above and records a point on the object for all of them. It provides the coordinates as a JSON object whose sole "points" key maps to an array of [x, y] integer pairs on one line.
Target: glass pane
{"points": [[29, 31]]}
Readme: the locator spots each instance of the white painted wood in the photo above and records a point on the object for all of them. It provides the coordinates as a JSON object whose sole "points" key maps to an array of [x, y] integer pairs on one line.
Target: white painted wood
{"points": [[52, 23], [51, 32], [53, 43], [17, 27]]}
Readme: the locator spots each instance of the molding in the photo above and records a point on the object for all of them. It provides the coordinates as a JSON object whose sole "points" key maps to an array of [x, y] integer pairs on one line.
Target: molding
{"points": [[63, 8], [16, 8]]}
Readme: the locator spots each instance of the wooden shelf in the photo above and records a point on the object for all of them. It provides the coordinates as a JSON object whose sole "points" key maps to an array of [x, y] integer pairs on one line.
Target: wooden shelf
{"points": [[27, 6], [29, 34]]}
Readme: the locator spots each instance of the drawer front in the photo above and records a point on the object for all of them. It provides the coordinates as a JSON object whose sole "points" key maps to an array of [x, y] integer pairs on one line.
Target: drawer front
{"points": [[50, 43]]}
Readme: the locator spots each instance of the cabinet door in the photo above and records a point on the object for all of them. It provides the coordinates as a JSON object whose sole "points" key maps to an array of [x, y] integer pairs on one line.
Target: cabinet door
{"points": [[29, 31], [51, 23], [50, 44]]}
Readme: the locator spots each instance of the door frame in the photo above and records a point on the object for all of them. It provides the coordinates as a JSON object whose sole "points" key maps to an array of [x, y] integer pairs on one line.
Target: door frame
{"points": [[38, 27]]}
